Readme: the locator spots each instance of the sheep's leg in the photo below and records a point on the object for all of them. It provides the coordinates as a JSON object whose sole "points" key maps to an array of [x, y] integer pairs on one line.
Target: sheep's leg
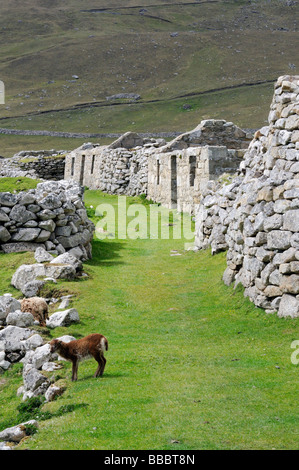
{"points": [[75, 370], [101, 364]]}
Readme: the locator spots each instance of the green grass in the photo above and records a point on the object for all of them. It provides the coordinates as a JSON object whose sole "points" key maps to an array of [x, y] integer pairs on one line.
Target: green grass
{"points": [[17, 184], [11, 144], [191, 364]]}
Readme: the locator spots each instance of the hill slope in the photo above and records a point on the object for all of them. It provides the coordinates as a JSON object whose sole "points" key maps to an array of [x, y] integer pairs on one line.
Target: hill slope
{"points": [[56, 56]]}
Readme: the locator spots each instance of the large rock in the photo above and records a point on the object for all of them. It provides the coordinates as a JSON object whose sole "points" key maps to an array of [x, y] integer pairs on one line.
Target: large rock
{"points": [[19, 247], [64, 318], [32, 342], [8, 304], [21, 319], [289, 306], [34, 381], [21, 215], [41, 355], [69, 259], [53, 392], [26, 273], [81, 238], [8, 199], [32, 288], [12, 336], [16, 433], [30, 272]]}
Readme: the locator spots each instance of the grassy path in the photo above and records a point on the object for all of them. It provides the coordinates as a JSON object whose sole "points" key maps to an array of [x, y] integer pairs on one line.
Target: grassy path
{"points": [[191, 363]]}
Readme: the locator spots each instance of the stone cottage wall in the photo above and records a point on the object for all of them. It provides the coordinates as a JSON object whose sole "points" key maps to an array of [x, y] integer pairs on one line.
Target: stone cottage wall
{"points": [[256, 217], [115, 169], [52, 216], [177, 179], [134, 165]]}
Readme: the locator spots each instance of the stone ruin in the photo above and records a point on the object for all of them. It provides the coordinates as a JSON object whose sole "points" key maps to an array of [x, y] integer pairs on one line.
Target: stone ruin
{"points": [[35, 164], [119, 168], [179, 171], [256, 216], [52, 216], [172, 174], [244, 194]]}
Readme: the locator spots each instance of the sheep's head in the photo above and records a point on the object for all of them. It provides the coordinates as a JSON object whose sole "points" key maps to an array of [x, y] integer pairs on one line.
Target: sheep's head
{"points": [[54, 345]]}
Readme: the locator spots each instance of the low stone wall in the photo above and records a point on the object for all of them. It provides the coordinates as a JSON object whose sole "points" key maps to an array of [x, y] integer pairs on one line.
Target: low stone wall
{"points": [[256, 217], [52, 216], [42, 164]]}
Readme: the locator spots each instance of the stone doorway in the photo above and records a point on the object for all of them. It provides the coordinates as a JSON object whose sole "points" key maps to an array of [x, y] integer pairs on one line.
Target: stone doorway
{"points": [[174, 182], [82, 170]]}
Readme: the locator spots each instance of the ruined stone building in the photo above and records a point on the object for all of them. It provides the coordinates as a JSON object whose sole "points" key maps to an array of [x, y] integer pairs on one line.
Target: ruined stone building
{"points": [[173, 174], [255, 218]]}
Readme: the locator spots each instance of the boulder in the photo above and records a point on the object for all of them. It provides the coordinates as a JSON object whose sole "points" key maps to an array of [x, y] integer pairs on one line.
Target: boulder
{"points": [[289, 306], [32, 288], [64, 318], [20, 214], [4, 365], [21, 319], [68, 258], [19, 247], [13, 337], [30, 272], [53, 391], [8, 199], [26, 273], [8, 304], [34, 380], [41, 355], [4, 446], [50, 366], [17, 433], [32, 342]]}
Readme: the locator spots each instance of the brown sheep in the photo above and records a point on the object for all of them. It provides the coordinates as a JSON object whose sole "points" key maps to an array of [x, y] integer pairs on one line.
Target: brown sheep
{"points": [[38, 307], [93, 345]]}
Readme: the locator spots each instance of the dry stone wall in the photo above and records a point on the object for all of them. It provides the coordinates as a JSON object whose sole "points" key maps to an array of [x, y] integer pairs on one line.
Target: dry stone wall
{"points": [[52, 216], [119, 168], [178, 179], [133, 165], [40, 164], [180, 170], [256, 217]]}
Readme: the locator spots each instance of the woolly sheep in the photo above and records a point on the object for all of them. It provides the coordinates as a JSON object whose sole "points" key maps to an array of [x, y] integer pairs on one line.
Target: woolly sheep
{"points": [[38, 307]]}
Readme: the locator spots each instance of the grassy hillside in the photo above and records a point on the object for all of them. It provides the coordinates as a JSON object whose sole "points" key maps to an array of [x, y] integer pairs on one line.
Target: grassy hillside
{"points": [[191, 364], [161, 51]]}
